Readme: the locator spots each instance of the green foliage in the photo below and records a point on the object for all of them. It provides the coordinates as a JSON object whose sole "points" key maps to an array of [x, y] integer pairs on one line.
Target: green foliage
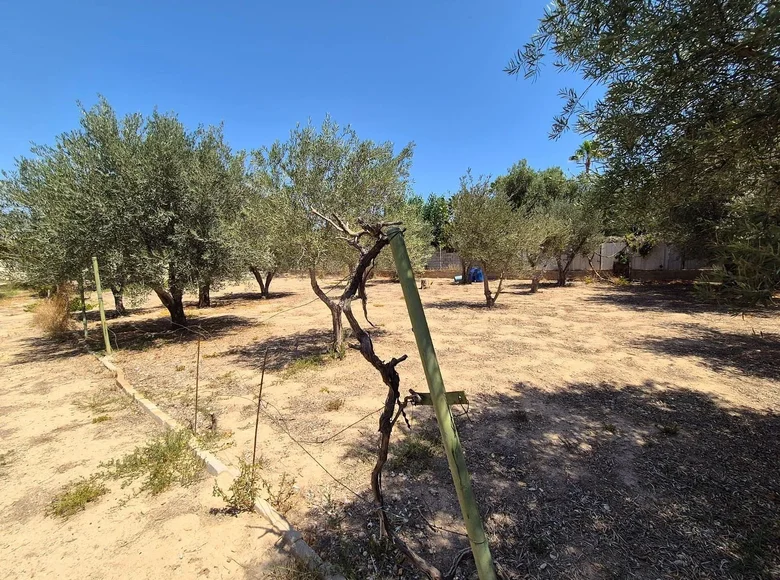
{"points": [[530, 189], [240, 496], [148, 198], [587, 154], [577, 228], [748, 272], [436, 212], [484, 228], [330, 169], [415, 453], [282, 495], [163, 461], [303, 364], [75, 497], [689, 119]]}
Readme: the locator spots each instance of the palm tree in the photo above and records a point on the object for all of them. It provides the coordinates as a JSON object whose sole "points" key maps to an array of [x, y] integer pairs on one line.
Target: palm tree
{"points": [[587, 153]]}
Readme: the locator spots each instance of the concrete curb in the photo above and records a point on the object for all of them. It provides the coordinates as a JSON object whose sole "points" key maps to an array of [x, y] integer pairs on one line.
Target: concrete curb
{"points": [[291, 540]]}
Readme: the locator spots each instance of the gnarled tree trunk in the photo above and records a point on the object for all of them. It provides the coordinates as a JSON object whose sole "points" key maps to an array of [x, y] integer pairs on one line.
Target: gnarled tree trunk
{"points": [[265, 284], [491, 298], [465, 278], [336, 308], [204, 296], [119, 301], [563, 270], [173, 299]]}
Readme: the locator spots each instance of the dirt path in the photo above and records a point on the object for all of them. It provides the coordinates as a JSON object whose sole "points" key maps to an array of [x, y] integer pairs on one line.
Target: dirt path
{"points": [[50, 393]]}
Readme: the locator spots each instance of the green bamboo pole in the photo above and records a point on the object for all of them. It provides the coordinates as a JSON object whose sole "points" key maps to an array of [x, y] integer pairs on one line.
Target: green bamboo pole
{"points": [[449, 433], [100, 305], [83, 306]]}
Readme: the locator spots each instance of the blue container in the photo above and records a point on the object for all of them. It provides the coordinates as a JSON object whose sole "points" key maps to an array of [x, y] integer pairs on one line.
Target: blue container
{"points": [[475, 274]]}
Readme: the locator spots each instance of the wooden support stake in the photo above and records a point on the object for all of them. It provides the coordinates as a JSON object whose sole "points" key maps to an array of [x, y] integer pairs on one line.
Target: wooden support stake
{"points": [[100, 305], [449, 433]]}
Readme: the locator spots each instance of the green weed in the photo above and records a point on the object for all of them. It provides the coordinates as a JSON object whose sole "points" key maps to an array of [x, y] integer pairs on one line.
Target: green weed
{"points": [[415, 453], [304, 364], [163, 461], [101, 419], [75, 497], [240, 496], [281, 496]]}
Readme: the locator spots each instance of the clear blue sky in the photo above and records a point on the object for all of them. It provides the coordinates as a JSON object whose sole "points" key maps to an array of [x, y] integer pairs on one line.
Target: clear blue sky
{"points": [[428, 71]]}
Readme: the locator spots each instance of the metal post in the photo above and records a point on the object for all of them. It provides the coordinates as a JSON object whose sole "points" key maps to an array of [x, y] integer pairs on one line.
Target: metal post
{"points": [[100, 305], [449, 433], [257, 418], [197, 384]]}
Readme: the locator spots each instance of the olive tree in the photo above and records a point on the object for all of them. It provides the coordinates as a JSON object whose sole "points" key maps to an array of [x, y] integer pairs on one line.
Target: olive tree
{"points": [[329, 175], [261, 235], [575, 227], [71, 200], [193, 190], [485, 230], [689, 120]]}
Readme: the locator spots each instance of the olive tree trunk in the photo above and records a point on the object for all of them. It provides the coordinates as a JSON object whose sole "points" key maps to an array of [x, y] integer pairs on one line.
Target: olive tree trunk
{"points": [[490, 298], [265, 283], [336, 308], [119, 301], [204, 296], [173, 299]]}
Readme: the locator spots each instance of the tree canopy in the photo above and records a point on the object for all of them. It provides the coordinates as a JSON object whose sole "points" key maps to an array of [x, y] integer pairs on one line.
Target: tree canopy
{"points": [[690, 116]]}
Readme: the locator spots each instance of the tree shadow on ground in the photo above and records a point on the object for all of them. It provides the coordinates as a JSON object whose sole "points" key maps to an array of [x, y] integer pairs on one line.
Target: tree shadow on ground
{"points": [[284, 350], [129, 334], [592, 481], [756, 355], [234, 298], [680, 298], [467, 304], [39, 349]]}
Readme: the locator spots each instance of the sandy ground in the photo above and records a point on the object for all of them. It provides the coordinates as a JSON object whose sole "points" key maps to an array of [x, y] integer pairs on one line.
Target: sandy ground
{"points": [[613, 432], [47, 439]]}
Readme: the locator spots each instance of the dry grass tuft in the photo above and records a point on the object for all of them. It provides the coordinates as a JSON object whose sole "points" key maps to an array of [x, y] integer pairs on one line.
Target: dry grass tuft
{"points": [[53, 314]]}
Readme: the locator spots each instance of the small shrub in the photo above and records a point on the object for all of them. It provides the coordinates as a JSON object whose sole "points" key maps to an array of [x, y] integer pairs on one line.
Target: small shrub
{"points": [[413, 454], [282, 497], [334, 404], [240, 496], [32, 306], [75, 497], [52, 315], [295, 570], [610, 427], [306, 363], [669, 428], [621, 281], [74, 305], [180, 368], [9, 290], [101, 419], [165, 460]]}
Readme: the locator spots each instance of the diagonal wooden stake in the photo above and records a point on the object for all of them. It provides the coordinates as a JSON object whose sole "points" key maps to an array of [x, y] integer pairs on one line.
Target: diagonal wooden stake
{"points": [[449, 433]]}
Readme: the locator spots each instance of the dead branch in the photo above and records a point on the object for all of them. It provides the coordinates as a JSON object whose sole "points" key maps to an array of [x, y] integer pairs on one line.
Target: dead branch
{"points": [[394, 406]]}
